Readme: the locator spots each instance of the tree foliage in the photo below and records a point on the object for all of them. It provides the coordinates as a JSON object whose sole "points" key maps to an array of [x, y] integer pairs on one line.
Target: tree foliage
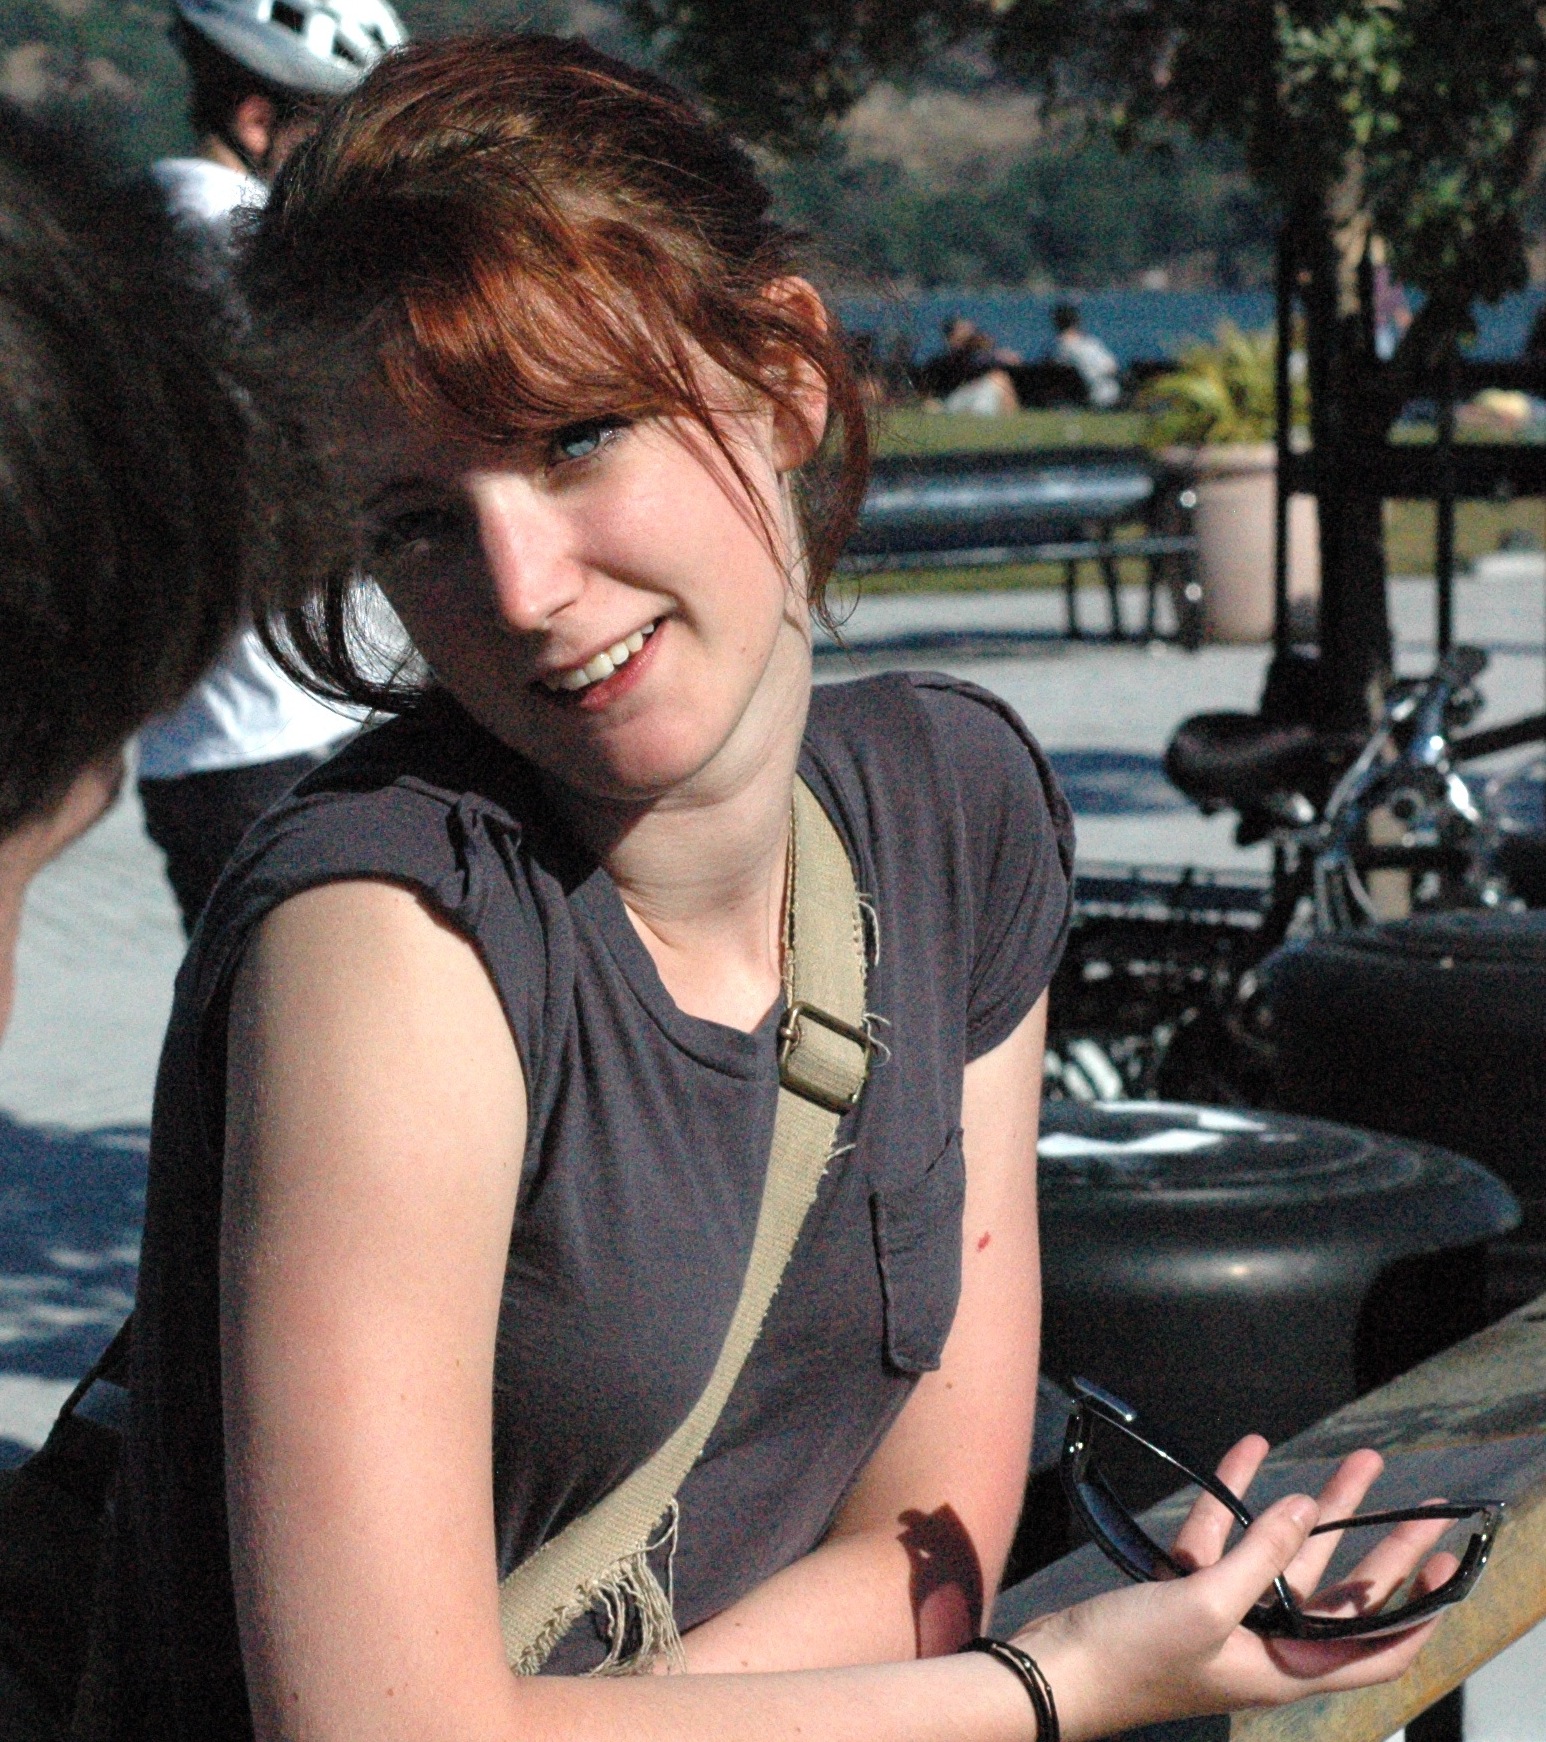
{"points": [[1425, 114], [1419, 121], [1438, 110], [1068, 210], [780, 70]]}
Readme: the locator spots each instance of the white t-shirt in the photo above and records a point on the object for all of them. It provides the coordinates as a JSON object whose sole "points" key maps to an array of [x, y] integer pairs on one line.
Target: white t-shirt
{"points": [[244, 710], [1094, 362]]}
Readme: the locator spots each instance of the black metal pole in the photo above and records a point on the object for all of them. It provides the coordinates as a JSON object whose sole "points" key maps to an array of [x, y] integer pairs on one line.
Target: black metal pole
{"points": [[1444, 532], [1282, 629]]}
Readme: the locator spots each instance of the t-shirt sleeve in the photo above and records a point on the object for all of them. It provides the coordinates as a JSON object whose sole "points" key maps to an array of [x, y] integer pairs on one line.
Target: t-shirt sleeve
{"points": [[1020, 845]]}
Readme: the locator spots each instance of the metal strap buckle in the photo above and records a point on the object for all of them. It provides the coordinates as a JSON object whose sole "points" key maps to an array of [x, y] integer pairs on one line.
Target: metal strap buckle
{"points": [[826, 1094]]}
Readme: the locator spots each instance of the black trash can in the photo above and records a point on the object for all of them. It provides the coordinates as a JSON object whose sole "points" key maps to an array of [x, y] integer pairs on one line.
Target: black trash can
{"points": [[1435, 1028], [1226, 1271]]}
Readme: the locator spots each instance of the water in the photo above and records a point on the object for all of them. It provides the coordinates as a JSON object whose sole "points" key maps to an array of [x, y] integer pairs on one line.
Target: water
{"points": [[1137, 324]]}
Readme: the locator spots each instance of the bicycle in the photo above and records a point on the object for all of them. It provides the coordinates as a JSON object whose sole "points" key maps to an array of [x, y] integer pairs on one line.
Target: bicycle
{"points": [[1156, 994]]}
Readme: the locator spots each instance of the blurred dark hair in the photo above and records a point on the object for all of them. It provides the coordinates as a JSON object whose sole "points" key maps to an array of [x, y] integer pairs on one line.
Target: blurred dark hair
{"points": [[125, 510], [1065, 317], [529, 233]]}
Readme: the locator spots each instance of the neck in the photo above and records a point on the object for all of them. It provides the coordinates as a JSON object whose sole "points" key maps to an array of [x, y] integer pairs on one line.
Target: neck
{"points": [[702, 871], [213, 149]]}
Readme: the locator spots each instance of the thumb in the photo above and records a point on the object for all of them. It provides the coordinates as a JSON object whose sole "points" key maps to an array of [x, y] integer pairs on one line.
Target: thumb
{"points": [[1245, 1574]]}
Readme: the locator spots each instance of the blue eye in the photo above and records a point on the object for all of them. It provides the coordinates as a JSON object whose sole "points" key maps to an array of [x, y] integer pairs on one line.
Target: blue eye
{"points": [[580, 441]]}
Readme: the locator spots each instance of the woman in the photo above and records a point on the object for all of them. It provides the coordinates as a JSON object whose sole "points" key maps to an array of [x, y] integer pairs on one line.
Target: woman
{"points": [[466, 1107]]}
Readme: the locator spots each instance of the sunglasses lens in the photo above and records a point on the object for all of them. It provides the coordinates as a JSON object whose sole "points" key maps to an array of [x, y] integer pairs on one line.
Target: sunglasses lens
{"points": [[1113, 1526], [1402, 1609]]}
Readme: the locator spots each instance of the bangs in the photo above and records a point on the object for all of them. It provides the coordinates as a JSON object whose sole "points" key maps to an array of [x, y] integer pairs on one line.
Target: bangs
{"points": [[520, 328]]}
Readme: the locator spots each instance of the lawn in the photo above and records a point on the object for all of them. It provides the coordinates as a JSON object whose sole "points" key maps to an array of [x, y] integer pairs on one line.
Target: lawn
{"points": [[1409, 526], [939, 432]]}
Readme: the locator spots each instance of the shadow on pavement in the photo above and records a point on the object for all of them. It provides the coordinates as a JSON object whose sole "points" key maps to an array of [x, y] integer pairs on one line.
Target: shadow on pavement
{"points": [[1116, 783], [71, 1205]]}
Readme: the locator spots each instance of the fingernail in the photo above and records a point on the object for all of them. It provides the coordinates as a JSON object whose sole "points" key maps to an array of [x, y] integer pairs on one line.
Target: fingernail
{"points": [[1303, 1510]]}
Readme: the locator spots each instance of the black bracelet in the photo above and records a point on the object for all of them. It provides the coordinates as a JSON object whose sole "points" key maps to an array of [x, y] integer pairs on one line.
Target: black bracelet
{"points": [[1036, 1685]]}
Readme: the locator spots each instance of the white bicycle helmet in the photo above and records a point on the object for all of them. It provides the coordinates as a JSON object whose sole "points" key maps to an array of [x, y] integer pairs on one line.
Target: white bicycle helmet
{"points": [[319, 47]]}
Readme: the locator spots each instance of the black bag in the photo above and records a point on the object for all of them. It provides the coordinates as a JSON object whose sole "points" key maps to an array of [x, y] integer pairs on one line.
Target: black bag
{"points": [[53, 1517]]}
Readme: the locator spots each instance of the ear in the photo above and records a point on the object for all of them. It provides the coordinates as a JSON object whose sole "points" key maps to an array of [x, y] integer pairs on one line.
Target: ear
{"points": [[253, 124], [800, 424]]}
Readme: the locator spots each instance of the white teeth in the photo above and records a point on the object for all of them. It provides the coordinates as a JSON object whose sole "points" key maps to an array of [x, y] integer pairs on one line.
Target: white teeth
{"points": [[603, 665]]}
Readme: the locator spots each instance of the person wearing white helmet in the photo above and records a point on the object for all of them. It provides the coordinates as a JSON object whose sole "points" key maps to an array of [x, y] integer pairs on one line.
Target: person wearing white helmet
{"points": [[260, 70]]}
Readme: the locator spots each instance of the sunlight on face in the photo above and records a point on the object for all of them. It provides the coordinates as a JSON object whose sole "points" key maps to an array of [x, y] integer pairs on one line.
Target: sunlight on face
{"points": [[609, 601]]}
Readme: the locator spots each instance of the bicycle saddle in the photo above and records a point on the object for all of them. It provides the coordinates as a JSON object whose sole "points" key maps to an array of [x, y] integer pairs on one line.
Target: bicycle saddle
{"points": [[1242, 760]]}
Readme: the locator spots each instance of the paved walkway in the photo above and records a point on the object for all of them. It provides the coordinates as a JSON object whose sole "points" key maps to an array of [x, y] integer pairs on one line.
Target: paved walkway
{"points": [[101, 944]]}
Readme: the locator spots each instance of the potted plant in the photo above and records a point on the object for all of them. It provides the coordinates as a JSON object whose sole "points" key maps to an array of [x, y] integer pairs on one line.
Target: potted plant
{"points": [[1216, 413]]}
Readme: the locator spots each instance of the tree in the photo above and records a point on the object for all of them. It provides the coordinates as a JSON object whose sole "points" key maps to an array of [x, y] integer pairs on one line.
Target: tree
{"points": [[1420, 122]]}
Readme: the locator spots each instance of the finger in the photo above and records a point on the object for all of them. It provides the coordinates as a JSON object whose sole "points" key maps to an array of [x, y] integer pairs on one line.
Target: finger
{"points": [[1390, 1561], [1435, 1570], [1201, 1539], [1382, 1572], [1240, 1578], [1342, 1494], [1336, 1666]]}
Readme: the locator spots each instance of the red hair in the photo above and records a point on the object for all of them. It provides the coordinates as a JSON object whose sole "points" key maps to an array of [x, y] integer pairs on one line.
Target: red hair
{"points": [[533, 234]]}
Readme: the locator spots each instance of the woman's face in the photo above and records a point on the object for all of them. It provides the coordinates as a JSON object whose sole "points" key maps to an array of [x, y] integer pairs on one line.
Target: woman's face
{"points": [[605, 600]]}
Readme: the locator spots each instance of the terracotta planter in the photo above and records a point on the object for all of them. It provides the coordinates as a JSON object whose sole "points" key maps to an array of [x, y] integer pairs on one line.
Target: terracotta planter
{"points": [[1235, 492]]}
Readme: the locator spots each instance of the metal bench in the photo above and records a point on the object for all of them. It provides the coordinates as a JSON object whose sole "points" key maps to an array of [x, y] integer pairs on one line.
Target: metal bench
{"points": [[1062, 506]]}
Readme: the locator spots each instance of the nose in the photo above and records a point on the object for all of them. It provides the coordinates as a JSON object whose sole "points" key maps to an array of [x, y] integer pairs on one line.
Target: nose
{"points": [[528, 543]]}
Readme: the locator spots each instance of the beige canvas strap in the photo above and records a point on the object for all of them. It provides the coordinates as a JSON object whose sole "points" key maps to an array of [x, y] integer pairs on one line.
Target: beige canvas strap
{"points": [[602, 1557]]}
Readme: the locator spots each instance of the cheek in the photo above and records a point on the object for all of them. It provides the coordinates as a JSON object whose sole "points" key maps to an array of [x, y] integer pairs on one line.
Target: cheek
{"points": [[686, 514], [439, 610]]}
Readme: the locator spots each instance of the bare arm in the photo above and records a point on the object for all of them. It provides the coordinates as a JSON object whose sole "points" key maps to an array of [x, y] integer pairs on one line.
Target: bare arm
{"points": [[917, 1553], [375, 1130], [376, 1125]]}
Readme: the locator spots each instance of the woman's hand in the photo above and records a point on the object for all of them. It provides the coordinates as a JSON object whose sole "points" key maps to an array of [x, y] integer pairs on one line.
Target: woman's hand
{"points": [[1154, 1651]]}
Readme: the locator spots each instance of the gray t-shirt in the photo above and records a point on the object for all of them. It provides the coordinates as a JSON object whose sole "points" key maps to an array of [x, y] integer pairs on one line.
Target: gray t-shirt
{"points": [[648, 1141]]}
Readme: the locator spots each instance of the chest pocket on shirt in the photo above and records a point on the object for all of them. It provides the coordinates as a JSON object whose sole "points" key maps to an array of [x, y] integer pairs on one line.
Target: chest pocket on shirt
{"points": [[918, 1245]]}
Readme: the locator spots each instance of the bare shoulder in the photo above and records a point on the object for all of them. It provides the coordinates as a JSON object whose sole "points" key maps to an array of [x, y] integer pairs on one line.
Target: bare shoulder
{"points": [[375, 1127], [368, 1045]]}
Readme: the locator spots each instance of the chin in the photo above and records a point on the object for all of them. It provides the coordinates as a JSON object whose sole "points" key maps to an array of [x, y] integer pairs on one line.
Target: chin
{"points": [[637, 767]]}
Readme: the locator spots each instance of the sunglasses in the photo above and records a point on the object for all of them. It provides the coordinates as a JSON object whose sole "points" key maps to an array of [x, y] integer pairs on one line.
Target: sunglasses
{"points": [[1124, 1542]]}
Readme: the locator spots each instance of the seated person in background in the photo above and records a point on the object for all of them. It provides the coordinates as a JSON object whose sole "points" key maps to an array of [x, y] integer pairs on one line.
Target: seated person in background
{"points": [[971, 373], [124, 508], [1084, 352]]}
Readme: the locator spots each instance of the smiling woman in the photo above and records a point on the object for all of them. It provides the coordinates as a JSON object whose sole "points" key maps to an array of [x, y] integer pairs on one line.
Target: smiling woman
{"points": [[574, 1243]]}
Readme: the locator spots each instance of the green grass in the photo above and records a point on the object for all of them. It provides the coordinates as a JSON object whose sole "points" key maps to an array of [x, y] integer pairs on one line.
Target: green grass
{"points": [[1479, 527], [941, 432]]}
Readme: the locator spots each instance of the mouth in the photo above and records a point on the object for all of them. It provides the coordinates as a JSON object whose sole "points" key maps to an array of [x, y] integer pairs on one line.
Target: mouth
{"points": [[577, 680]]}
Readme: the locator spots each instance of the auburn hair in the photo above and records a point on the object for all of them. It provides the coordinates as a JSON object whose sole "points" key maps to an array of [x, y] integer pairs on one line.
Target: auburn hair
{"points": [[530, 234]]}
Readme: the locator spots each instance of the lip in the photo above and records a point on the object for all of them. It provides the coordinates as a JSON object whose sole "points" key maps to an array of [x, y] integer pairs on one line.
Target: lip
{"points": [[600, 695]]}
